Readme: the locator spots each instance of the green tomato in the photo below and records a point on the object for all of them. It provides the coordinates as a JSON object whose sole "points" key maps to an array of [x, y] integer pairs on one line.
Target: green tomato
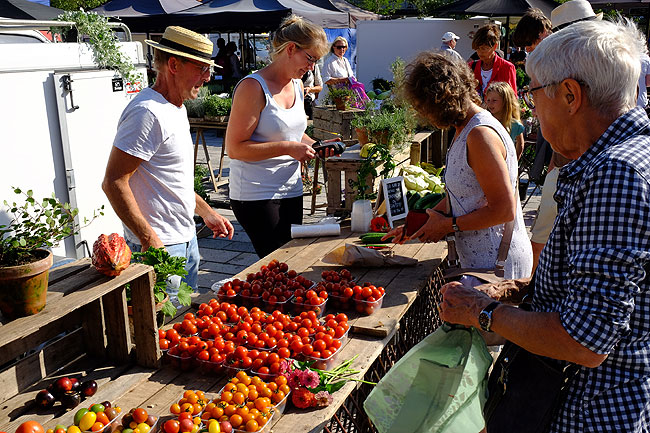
{"points": [[97, 408], [80, 413], [60, 426], [127, 430]]}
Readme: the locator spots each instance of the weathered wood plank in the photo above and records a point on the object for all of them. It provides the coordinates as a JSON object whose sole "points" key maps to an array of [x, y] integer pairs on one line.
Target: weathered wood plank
{"points": [[144, 321], [116, 317], [92, 316], [31, 369]]}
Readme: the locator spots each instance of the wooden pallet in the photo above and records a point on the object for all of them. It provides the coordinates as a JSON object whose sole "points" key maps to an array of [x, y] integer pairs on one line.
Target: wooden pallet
{"points": [[85, 316]]}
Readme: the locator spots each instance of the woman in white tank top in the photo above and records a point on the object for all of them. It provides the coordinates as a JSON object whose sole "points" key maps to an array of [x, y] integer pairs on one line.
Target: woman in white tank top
{"points": [[481, 172], [266, 138]]}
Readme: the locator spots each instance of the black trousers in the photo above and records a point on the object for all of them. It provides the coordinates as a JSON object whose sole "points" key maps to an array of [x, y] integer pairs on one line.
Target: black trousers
{"points": [[268, 222]]}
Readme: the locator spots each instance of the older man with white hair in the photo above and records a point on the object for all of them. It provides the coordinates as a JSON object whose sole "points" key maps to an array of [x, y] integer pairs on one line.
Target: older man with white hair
{"points": [[591, 303]]}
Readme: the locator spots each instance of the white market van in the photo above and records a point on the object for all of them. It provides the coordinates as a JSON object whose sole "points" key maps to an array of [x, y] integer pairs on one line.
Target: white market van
{"points": [[380, 42], [58, 119]]}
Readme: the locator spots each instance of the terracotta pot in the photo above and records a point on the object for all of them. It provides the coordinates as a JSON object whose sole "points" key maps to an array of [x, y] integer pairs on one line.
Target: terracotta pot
{"points": [[362, 135], [23, 288], [341, 103]]}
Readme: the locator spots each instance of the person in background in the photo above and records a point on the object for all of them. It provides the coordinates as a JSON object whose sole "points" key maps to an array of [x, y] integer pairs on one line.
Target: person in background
{"points": [[490, 67], [531, 29], [502, 102], [591, 303], [644, 82], [566, 14], [266, 138], [149, 178], [313, 85], [336, 68], [233, 60], [481, 171], [449, 44]]}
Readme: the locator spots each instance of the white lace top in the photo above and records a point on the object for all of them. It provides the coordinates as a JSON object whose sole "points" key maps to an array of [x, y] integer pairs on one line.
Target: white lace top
{"points": [[478, 248]]}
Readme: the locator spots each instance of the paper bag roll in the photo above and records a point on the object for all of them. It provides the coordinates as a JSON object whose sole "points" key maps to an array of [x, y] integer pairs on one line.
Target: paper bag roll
{"points": [[315, 230]]}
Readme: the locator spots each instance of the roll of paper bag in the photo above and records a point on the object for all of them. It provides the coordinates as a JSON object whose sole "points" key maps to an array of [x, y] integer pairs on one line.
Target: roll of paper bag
{"points": [[314, 230]]}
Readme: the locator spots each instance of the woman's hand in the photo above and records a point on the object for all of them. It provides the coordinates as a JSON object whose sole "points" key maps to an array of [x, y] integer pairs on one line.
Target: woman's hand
{"points": [[435, 229], [397, 234], [461, 304], [303, 152]]}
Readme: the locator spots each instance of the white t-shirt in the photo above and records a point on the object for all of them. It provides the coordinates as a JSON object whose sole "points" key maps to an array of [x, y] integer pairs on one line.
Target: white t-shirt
{"points": [[485, 77], [334, 67], [158, 132], [642, 100]]}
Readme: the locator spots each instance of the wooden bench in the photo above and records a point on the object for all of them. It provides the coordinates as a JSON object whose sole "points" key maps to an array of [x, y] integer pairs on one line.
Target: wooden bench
{"points": [[85, 316]]}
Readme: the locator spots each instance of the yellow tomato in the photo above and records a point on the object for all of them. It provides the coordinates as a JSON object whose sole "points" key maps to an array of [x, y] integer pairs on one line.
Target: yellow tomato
{"points": [[87, 421], [213, 427], [73, 429], [144, 427]]}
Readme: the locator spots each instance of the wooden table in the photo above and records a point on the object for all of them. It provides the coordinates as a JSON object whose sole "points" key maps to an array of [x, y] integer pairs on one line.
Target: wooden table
{"points": [[201, 126], [377, 340]]}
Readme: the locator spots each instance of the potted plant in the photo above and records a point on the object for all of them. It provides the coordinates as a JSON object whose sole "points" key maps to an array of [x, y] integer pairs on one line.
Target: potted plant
{"points": [[217, 108], [340, 96], [24, 258]]}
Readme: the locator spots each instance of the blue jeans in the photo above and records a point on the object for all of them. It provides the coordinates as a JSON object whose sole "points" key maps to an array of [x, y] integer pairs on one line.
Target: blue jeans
{"points": [[189, 250]]}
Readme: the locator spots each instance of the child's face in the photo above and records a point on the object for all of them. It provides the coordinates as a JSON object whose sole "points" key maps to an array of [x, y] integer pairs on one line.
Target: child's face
{"points": [[494, 102]]}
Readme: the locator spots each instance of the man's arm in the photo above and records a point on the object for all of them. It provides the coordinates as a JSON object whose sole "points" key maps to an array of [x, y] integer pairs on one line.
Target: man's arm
{"points": [[219, 225], [119, 170]]}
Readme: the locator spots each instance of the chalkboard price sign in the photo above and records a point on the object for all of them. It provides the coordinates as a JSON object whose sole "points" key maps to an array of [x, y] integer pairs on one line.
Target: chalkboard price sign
{"points": [[395, 195]]}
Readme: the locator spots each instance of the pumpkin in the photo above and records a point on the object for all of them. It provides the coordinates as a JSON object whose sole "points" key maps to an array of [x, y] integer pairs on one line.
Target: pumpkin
{"points": [[111, 254]]}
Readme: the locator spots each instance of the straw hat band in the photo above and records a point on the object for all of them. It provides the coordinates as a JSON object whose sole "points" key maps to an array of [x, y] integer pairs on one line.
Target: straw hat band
{"points": [[561, 26], [186, 49]]}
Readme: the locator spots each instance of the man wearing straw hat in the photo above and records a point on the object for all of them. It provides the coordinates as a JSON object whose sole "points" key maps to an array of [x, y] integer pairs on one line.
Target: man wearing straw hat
{"points": [[149, 178]]}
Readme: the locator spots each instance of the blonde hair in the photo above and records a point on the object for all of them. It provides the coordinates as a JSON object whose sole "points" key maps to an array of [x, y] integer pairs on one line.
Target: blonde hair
{"points": [[338, 38], [301, 32], [511, 109]]}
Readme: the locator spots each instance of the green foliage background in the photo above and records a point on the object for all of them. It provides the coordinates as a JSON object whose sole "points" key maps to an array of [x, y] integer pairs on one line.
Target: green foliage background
{"points": [[75, 5]]}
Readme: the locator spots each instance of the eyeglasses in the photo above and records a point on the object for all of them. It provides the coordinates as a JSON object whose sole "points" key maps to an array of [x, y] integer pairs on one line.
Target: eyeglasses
{"points": [[204, 68], [312, 60], [528, 93], [340, 47]]}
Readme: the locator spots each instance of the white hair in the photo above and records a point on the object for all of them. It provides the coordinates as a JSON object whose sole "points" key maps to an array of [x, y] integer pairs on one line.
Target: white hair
{"points": [[604, 56]]}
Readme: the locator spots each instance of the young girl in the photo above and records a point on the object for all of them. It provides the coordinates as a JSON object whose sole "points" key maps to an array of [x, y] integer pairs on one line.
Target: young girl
{"points": [[502, 102]]}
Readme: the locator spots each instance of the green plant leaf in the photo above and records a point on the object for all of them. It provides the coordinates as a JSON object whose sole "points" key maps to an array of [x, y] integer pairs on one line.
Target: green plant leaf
{"points": [[184, 292], [168, 309]]}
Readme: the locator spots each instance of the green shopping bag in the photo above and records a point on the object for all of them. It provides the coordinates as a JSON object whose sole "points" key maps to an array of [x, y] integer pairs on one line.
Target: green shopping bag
{"points": [[439, 386]]}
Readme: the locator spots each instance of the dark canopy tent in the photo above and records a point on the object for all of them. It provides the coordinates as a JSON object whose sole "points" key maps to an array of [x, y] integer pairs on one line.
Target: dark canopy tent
{"points": [[130, 8], [497, 8], [223, 16], [26, 10]]}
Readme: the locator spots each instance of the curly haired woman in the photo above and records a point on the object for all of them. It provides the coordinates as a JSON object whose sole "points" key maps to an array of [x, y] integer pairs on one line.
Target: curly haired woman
{"points": [[481, 173]]}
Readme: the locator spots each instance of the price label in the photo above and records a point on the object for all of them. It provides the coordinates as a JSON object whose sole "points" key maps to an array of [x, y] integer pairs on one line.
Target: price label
{"points": [[395, 195]]}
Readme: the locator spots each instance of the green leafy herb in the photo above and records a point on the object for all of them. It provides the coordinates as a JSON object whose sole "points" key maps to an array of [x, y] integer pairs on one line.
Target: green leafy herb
{"points": [[165, 266], [332, 380]]}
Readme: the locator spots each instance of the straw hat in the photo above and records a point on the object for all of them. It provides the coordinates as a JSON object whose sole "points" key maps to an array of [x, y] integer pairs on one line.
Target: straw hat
{"points": [[186, 43], [572, 12]]}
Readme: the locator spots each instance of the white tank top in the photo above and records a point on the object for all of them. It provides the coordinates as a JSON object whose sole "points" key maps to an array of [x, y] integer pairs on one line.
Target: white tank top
{"points": [[277, 177]]}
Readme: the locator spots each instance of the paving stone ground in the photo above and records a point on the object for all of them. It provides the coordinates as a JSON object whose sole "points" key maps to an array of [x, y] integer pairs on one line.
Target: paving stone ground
{"points": [[222, 258]]}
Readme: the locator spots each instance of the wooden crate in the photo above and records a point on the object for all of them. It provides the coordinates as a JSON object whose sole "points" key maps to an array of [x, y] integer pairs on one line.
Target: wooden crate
{"points": [[330, 122], [429, 146], [85, 316], [342, 175]]}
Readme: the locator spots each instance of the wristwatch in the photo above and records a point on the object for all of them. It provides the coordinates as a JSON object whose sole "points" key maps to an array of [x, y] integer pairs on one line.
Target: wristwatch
{"points": [[485, 316], [454, 225]]}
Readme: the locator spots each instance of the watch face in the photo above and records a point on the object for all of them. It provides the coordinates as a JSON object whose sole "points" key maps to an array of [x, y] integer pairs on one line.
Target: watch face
{"points": [[485, 320]]}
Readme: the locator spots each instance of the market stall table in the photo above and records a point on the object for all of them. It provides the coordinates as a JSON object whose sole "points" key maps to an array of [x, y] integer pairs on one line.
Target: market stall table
{"points": [[378, 340], [200, 126]]}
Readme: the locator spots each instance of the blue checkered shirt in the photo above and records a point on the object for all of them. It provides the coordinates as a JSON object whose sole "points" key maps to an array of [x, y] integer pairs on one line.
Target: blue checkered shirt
{"points": [[593, 272]]}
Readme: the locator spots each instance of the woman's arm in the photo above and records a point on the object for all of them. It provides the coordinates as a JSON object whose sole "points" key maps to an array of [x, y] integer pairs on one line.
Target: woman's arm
{"points": [[248, 103], [486, 156], [519, 145]]}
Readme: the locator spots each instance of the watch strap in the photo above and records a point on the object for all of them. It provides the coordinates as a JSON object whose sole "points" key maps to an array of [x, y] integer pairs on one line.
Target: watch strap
{"points": [[485, 316], [454, 225]]}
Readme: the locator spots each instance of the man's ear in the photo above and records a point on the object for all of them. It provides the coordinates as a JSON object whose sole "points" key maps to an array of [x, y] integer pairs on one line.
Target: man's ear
{"points": [[572, 94], [173, 64]]}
